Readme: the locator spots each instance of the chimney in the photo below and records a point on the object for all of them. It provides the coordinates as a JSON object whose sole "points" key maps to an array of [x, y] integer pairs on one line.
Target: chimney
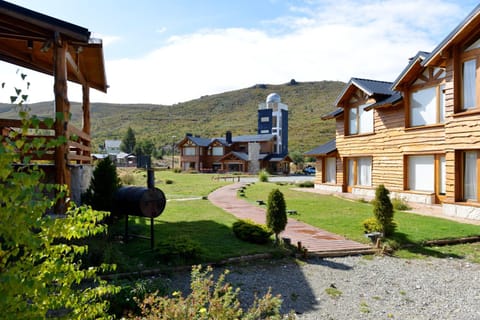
{"points": [[228, 137], [188, 134]]}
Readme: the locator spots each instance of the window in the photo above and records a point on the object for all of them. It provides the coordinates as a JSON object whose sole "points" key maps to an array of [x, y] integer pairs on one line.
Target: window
{"points": [[359, 120], [360, 171], [469, 84], [427, 106], [331, 170], [265, 119], [470, 174], [421, 173], [427, 173], [217, 151], [189, 151]]}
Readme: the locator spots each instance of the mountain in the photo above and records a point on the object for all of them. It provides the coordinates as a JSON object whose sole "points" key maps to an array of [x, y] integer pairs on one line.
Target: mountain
{"points": [[210, 116]]}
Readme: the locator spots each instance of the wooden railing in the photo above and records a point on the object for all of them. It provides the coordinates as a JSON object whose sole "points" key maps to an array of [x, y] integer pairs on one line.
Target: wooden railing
{"points": [[79, 143]]}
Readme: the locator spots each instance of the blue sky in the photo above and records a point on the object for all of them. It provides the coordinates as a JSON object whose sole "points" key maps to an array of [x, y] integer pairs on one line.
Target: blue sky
{"points": [[164, 52]]}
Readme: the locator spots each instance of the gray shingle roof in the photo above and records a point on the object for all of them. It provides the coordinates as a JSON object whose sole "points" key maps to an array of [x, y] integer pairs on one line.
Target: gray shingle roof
{"points": [[253, 138], [201, 142], [418, 58], [324, 149], [335, 113]]}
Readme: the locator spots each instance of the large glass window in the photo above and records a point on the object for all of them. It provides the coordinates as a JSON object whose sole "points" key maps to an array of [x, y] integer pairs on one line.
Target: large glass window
{"points": [[189, 151], [469, 93], [359, 120], [217, 151], [427, 106], [331, 170], [421, 173], [470, 176], [360, 171]]}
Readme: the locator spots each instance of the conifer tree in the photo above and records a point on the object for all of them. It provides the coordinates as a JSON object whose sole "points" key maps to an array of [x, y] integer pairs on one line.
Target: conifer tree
{"points": [[129, 141], [383, 210], [276, 212]]}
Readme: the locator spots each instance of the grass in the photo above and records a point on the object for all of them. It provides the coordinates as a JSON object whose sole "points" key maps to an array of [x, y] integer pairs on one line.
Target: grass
{"points": [[345, 217]]}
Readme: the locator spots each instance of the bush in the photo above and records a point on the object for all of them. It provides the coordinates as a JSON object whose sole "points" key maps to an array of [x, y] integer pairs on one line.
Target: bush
{"points": [[178, 250], [168, 181], [263, 175], [250, 231], [103, 186], [209, 300], [177, 170], [371, 225], [400, 204], [276, 212], [128, 179], [306, 184], [383, 210]]}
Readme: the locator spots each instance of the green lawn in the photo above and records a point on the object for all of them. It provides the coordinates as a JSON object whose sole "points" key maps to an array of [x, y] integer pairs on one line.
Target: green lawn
{"points": [[345, 217]]}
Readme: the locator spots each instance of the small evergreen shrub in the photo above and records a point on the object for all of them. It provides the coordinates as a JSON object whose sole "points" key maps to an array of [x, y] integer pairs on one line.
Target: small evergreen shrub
{"points": [[178, 250], [263, 176], [371, 225], [168, 181], [383, 210], [249, 231], [276, 213], [177, 170]]}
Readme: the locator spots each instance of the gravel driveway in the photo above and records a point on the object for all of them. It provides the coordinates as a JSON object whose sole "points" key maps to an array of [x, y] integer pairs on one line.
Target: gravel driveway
{"points": [[362, 287]]}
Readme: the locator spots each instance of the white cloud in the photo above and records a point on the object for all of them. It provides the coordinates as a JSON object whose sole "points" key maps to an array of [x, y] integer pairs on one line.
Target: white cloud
{"points": [[329, 41]]}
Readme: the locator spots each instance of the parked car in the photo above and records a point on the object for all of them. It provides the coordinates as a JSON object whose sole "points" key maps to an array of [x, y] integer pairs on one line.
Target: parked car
{"points": [[309, 170]]}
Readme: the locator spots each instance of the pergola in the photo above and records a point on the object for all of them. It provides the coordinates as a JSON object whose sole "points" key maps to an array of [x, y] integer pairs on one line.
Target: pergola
{"points": [[68, 53]]}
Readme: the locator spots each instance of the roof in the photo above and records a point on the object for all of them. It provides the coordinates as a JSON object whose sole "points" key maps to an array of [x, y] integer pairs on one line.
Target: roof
{"points": [[253, 138], [414, 64], [394, 98], [370, 87], [27, 39], [324, 149], [335, 113], [201, 142], [464, 29]]}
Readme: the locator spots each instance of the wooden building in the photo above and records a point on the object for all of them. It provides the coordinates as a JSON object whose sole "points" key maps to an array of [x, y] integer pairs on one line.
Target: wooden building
{"points": [[232, 154], [419, 135], [67, 52]]}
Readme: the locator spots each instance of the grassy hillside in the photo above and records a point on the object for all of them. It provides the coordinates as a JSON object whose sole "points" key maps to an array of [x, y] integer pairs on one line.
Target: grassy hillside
{"points": [[211, 116]]}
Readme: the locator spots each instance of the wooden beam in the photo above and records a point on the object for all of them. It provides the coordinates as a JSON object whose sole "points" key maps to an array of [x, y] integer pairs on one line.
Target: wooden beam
{"points": [[62, 110], [76, 69], [86, 110]]}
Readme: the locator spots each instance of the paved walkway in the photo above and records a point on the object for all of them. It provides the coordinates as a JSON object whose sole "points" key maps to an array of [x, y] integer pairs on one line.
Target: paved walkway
{"points": [[316, 241]]}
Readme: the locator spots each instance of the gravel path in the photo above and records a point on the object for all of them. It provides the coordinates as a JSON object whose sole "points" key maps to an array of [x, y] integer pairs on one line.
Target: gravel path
{"points": [[367, 287]]}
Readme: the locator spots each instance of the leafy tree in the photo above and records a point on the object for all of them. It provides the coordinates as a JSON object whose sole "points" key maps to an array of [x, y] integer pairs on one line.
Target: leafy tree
{"points": [[40, 273], [144, 147], [297, 157], [104, 184], [276, 212], [129, 141], [383, 210]]}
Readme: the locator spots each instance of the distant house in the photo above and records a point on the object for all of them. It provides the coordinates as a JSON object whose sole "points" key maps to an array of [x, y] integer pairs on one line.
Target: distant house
{"points": [[249, 153], [120, 158], [418, 135]]}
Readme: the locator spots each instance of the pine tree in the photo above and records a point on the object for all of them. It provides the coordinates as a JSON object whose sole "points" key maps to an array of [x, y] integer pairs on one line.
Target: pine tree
{"points": [[129, 141], [276, 212]]}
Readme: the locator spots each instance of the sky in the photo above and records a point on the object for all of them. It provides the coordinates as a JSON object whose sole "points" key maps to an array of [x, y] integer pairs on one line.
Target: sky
{"points": [[170, 51]]}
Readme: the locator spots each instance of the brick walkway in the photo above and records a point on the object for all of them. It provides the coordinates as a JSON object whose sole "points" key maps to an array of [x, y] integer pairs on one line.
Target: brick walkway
{"points": [[316, 241]]}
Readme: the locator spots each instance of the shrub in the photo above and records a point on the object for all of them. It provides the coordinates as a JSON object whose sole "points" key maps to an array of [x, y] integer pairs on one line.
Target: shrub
{"points": [[178, 250], [209, 300], [306, 184], [383, 210], [400, 204], [371, 225], [128, 179], [263, 175], [103, 186], [177, 170], [276, 212], [168, 181], [39, 270], [250, 231]]}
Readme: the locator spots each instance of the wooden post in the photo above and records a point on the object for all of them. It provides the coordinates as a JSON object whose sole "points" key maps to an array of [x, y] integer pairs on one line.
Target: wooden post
{"points": [[62, 114]]}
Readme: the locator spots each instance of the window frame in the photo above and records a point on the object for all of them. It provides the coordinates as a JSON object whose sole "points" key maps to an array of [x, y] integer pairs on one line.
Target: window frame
{"points": [[469, 54], [439, 104], [325, 167], [359, 111], [460, 157], [353, 172]]}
